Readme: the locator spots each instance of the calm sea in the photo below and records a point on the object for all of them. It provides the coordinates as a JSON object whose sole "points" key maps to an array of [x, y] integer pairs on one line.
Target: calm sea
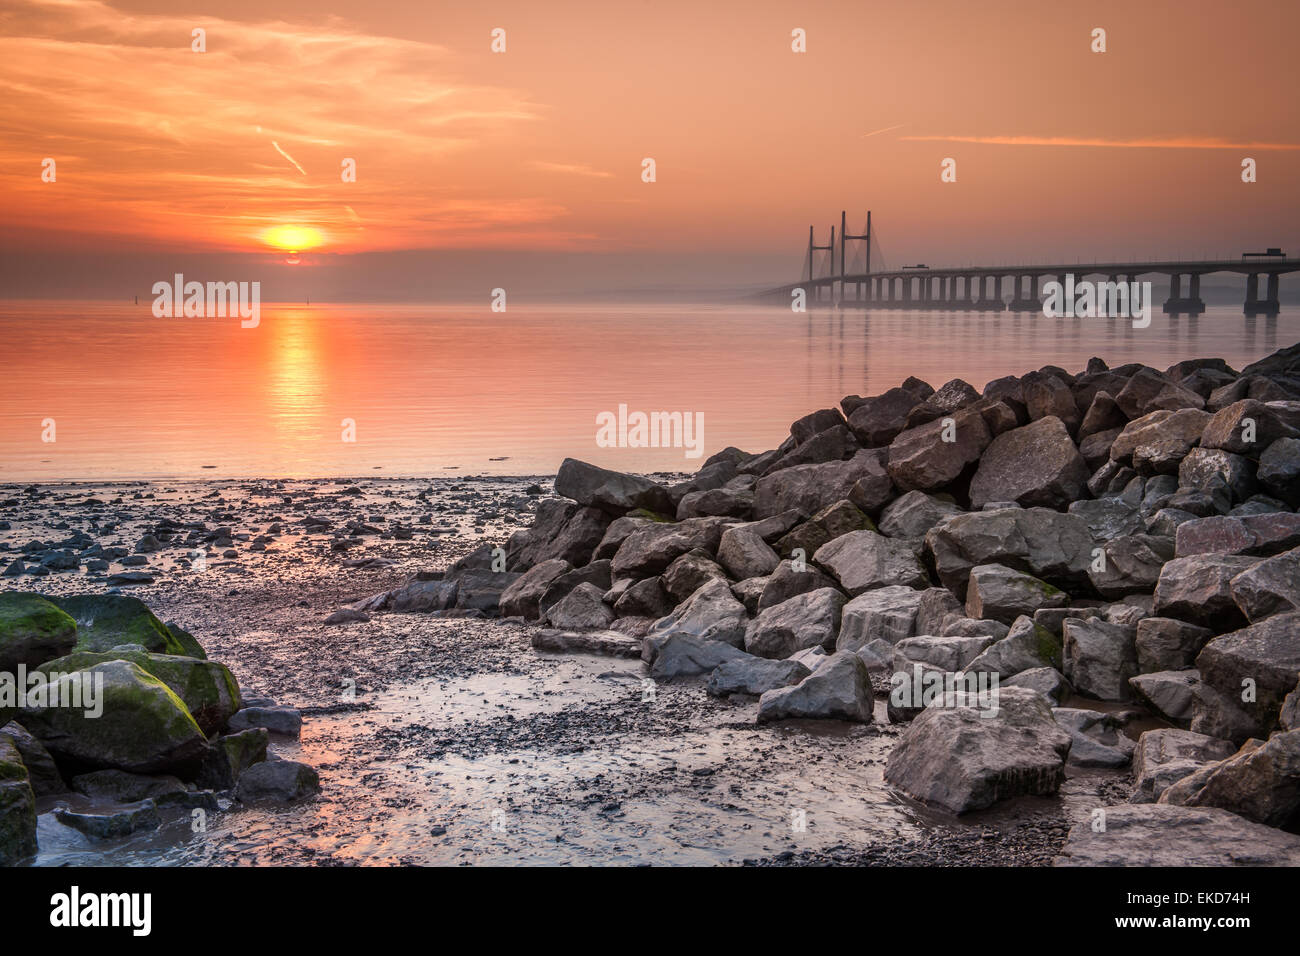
{"points": [[439, 390]]}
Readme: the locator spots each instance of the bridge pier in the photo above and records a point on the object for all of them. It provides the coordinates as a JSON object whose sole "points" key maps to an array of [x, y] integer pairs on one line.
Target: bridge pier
{"points": [[1026, 301], [1191, 304], [1269, 306]]}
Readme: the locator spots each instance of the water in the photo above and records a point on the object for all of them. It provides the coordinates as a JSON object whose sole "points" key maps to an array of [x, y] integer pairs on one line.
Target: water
{"points": [[440, 389]]}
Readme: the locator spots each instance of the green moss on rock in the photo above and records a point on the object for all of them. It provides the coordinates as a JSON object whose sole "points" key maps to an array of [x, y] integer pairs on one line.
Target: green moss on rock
{"points": [[32, 631], [106, 620], [17, 807]]}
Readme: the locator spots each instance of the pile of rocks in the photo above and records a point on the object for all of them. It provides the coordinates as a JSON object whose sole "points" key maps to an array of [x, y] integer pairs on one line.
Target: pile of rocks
{"points": [[1117, 535], [120, 723]]}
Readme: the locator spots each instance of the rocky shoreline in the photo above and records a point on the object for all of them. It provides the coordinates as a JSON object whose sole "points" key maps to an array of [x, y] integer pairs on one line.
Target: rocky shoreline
{"points": [[1113, 553]]}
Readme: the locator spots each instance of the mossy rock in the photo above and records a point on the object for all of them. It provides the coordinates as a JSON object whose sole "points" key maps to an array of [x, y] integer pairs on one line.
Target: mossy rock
{"points": [[208, 689], [231, 755], [187, 640], [32, 631], [17, 806], [650, 515], [106, 620], [143, 726]]}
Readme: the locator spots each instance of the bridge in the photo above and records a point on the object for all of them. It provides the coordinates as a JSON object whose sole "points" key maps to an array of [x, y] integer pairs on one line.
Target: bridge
{"points": [[981, 288]]}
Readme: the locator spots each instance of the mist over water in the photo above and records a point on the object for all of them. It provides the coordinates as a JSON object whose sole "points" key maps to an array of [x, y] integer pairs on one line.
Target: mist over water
{"points": [[446, 390]]}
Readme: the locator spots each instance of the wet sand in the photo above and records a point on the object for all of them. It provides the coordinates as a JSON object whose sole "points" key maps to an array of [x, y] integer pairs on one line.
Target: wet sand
{"points": [[451, 740]]}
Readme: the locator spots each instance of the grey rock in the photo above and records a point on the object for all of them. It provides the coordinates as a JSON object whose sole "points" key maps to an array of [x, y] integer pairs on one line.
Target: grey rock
{"points": [[755, 676], [1100, 658], [839, 689], [887, 614], [1153, 835], [1004, 594], [1096, 738], [1037, 465], [279, 781], [610, 491], [806, 620], [1027, 646], [865, 560]]}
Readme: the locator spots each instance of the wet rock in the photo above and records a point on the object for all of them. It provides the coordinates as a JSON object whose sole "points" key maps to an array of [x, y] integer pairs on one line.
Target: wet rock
{"points": [[920, 459], [583, 607], [1037, 465], [610, 491], [1047, 681], [806, 620], [744, 553], [1027, 646], [839, 689], [598, 573], [277, 781], [755, 676], [42, 773], [230, 756], [1168, 644], [785, 582], [105, 621], [609, 643], [962, 759], [285, 721], [1096, 738], [679, 654], [143, 727], [711, 614], [1266, 654], [1153, 835], [1165, 756], [1100, 658], [1270, 587], [523, 597], [1130, 564], [865, 560], [1170, 694], [32, 631], [17, 806], [119, 823], [887, 614], [1197, 589], [1003, 594], [117, 786], [347, 615]]}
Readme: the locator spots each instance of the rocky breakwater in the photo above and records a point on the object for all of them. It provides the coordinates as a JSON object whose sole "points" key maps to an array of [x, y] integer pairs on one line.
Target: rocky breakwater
{"points": [[1123, 540], [117, 723]]}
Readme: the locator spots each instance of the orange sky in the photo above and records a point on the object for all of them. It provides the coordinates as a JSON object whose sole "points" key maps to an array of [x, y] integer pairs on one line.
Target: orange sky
{"points": [[1060, 152]]}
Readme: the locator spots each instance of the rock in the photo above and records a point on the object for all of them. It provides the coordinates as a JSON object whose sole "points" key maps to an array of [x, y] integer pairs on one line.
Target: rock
{"points": [[1037, 465], [478, 589], [1260, 783], [561, 531], [1220, 715], [1267, 655], [915, 513], [1256, 534], [1108, 518], [279, 781], [598, 573], [347, 615], [691, 570], [1279, 470], [1198, 589], [1204, 468], [1130, 564], [1047, 396], [711, 614], [1047, 681], [833, 444], [815, 423], [143, 728], [810, 488], [278, 720], [806, 620], [755, 676], [1151, 835], [1167, 644], [415, 597], [1170, 694], [878, 421], [1177, 432], [1050, 545], [785, 582], [1231, 427], [208, 689], [119, 823], [945, 653], [615, 534], [649, 550], [610, 491], [230, 756], [680, 654], [1099, 658], [1165, 756], [1027, 646], [1287, 719], [105, 621], [118, 786], [864, 560], [32, 631], [1096, 738], [831, 522], [938, 606], [607, 642], [522, 598], [42, 773], [1003, 594], [745, 554], [645, 598], [920, 459], [17, 806], [1270, 587], [962, 759], [839, 689], [887, 614], [583, 607], [1103, 415]]}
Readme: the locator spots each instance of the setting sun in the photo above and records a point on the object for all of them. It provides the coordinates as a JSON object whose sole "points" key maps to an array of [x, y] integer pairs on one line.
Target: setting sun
{"points": [[292, 238]]}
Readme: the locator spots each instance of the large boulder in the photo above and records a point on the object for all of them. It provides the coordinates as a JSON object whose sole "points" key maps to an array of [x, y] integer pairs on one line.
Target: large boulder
{"points": [[1279, 470], [878, 420], [789, 579], [17, 806], [143, 727], [1261, 783], [839, 689], [962, 758], [1004, 594], [1034, 465], [1100, 657], [1165, 755], [946, 653], [277, 781], [1130, 564], [649, 549], [1263, 658], [1170, 694], [887, 614], [685, 655], [1247, 427], [810, 488], [1158, 835], [561, 530], [1268, 588], [32, 631], [1161, 436], [711, 614], [1027, 646], [1168, 644], [915, 513], [1050, 545], [806, 620], [208, 689], [1255, 534], [865, 560], [832, 521], [1198, 589], [610, 491], [582, 608], [754, 676], [105, 621], [934, 455], [522, 598], [1096, 739], [744, 553], [692, 570]]}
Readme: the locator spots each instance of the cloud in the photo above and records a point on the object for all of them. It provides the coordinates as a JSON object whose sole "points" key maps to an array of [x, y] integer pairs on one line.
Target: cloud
{"points": [[575, 169], [877, 132], [1173, 143], [288, 157]]}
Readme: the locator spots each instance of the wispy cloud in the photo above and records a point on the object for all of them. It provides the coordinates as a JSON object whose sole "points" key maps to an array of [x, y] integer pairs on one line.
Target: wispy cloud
{"points": [[288, 157], [1188, 142], [574, 169], [877, 132]]}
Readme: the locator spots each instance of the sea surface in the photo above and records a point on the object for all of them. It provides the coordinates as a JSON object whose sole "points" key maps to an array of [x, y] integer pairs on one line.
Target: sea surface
{"points": [[428, 390]]}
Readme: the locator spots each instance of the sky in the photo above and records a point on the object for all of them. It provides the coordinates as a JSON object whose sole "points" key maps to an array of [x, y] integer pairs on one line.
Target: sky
{"points": [[523, 169]]}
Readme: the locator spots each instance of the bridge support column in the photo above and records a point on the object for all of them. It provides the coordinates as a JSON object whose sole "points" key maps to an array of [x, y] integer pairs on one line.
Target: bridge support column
{"points": [[1026, 299], [1180, 305], [1269, 306]]}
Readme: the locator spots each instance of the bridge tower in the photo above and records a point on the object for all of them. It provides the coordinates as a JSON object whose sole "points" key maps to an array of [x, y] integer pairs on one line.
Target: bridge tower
{"points": [[814, 248], [844, 236]]}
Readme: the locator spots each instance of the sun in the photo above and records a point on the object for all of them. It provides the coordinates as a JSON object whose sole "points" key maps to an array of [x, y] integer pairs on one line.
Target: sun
{"points": [[292, 238]]}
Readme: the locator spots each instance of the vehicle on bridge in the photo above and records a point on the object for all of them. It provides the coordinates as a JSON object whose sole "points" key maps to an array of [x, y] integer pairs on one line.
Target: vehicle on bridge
{"points": [[1272, 251]]}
